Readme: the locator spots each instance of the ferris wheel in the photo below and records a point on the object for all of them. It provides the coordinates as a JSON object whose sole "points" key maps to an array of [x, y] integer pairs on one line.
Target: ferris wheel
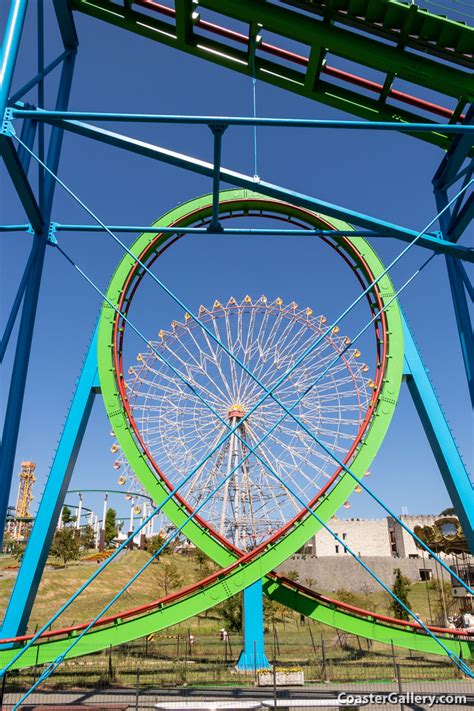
{"points": [[178, 428]]}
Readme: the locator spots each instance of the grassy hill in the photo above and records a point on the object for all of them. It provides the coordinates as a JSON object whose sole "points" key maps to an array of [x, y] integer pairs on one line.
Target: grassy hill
{"points": [[169, 574]]}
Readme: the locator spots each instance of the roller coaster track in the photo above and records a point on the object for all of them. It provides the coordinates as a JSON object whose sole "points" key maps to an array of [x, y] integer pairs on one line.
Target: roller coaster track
{"points": [[160, 614], [389, 43]]}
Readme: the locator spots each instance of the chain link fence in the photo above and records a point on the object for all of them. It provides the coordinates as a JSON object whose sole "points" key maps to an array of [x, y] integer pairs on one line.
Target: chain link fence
{"points": [[162, 669]]}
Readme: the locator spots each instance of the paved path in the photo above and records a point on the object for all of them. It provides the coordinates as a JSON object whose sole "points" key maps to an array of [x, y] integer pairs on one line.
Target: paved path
{"points": [[148, 699]]}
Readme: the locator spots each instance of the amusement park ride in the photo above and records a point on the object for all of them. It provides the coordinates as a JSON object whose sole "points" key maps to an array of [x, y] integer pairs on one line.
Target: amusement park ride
{"points": [[250, 422], [22, 514]]}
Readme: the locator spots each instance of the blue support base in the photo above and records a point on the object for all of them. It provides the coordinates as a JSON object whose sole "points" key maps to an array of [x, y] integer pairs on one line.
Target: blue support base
{"points": [[253, 657]]}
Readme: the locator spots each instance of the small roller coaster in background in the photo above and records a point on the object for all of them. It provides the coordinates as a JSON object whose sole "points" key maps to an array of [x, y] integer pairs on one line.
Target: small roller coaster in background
{"points": [[190, 419]]}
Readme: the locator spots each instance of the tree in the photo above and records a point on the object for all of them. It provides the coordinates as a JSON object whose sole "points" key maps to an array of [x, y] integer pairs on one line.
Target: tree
{"points": [[66, 516], [154, 543], [87, 538], [14, 548], [204, 564], [401, 588], [231, 612], [347, 596], [273, 611], [66, 545], [111, 528], [170, 577]]}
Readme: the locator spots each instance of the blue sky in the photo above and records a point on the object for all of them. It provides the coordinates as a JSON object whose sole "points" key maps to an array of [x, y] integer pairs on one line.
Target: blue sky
{"points": [[383, 174]]}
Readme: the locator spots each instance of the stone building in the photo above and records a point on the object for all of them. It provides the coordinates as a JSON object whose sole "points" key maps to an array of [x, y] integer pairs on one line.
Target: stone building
{"points": [[376, 537], [382, 543]]}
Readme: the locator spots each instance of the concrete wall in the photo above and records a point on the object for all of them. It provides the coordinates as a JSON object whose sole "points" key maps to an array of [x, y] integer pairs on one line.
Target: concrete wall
{"points": [[379, 537], [342, 572], [367, 537]]}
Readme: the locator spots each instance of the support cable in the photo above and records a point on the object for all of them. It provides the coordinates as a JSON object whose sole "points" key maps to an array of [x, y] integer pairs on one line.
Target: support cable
{"points": [[253, 49]]}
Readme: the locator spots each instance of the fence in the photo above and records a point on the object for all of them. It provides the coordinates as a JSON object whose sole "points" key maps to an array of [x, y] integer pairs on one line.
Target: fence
{"points": [[166, 667]]}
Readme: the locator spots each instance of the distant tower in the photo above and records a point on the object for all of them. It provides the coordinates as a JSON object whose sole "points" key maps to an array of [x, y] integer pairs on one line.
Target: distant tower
{"points": [[24, 498]]}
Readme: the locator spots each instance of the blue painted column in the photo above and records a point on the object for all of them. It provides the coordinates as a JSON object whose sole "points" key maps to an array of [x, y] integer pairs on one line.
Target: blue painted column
{"points": [[57, 484], [9, 49], [8, 55], [253, 657], [440, 437]]}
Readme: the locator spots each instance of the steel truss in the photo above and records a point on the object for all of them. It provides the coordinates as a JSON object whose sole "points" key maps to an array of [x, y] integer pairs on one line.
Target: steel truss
{"points": [[181, 29]]}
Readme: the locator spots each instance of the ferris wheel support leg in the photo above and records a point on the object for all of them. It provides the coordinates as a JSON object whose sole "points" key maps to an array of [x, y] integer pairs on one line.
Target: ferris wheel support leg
{"points": [[439, 435], [36, 553], [253, 656]]}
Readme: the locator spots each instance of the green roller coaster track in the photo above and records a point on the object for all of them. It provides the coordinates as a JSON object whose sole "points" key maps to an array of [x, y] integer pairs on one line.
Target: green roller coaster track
{"points": [[401, 43]]}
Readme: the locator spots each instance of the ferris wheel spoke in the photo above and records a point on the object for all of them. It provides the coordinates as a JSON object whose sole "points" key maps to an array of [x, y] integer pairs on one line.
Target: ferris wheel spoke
{"points": [[306, 439], [193, 371], [251, 362], [232, 346], [217, 354], [256, 364], [296, 464], [265, 345], [304, 458], [201, 483]]}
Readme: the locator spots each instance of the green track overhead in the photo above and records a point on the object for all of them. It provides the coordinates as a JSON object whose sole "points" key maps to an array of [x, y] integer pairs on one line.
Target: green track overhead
{"points": [[399, 54]]}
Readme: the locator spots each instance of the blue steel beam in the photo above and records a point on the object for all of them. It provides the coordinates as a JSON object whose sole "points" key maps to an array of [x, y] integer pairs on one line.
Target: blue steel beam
{"points": [[443, 446], [461, 309], [465, 280], [21, 183], [57, 484], [461, 199], [66, 24], [39, 77], [27, 135], [217, 132], [269, 121], [240, 180], [17, 301], [59, 227], [15, 228], [9, 48], [428, 241], [456, 154], [26, 327], [461, 221]]}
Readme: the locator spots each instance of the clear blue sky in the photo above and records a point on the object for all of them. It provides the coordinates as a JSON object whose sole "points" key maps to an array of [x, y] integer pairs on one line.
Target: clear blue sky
{"points": [[383, 174]]}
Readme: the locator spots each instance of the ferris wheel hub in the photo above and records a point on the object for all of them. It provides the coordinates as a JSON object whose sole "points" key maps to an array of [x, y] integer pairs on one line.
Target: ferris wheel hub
{"points": [[236, 411]]}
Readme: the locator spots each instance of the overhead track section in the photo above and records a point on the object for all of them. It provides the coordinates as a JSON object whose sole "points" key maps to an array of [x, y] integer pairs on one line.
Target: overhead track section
{"points": [[311, 55]]}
